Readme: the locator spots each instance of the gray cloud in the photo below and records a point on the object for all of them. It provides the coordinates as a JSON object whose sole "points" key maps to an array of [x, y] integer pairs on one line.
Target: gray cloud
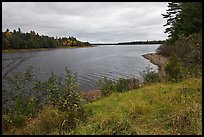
{"points": [[88, 21]]}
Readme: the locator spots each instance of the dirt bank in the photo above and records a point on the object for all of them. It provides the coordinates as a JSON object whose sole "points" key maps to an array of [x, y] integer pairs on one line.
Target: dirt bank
{"points": [[92, 95], [158, 60]]}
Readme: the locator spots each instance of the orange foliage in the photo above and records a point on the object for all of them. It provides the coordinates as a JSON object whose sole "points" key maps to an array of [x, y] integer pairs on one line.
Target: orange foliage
{"points": [[8, 34]]}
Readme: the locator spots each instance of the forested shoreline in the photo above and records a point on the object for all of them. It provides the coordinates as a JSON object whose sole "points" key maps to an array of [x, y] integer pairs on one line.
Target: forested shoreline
{"points": [[32, 40], [133, 42], [184, 29]]}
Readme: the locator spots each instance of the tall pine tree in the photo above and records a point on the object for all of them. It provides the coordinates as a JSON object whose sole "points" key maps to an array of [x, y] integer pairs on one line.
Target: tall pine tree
{"points": [[183, 19]]}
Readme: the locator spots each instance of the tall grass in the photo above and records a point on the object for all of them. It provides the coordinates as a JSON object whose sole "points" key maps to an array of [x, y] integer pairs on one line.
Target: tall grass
{"points": [[163, 108]]}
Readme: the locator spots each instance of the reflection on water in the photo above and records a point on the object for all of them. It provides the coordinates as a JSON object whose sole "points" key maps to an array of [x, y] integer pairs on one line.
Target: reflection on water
{"points": [[90, 64]]}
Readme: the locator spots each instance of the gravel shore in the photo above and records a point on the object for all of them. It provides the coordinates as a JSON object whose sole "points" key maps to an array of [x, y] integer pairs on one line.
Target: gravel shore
{"points": [[158, 60]]}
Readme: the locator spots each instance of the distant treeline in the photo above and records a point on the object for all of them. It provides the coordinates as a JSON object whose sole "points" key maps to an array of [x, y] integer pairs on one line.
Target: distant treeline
{"points": [[19, 40], [133, 42], [143, 42]]}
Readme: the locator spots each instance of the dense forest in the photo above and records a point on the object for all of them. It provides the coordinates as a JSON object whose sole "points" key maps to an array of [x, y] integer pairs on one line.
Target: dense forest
{"points": [[184, 26], [19, 40]]}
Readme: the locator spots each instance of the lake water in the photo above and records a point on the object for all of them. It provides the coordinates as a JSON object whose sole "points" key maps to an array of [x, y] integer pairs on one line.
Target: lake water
{"points": [[90, 64]]}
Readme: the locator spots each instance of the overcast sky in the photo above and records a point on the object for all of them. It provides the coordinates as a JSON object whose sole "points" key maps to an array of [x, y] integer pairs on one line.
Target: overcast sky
{"points": [[88, 21]]}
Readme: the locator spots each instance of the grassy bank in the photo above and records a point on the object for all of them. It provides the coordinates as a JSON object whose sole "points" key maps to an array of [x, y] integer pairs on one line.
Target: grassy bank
{"points": [[162, 108]]}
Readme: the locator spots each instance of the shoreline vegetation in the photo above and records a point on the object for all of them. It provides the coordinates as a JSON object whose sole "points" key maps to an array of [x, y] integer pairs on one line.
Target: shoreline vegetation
{"points": [[41, 49], [158, 60], [162, 108], [32, 40], [133, 42]]}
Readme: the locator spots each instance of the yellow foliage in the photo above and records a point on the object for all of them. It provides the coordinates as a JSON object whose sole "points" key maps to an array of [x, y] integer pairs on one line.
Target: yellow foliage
{"points": [[8, 34], [64, 43], [74, 42]]}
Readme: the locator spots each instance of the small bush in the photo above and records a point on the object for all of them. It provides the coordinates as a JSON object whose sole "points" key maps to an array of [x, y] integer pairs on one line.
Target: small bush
{"points": [[165, 49], [121, 85], [133, 83], [18, 120], [150, 76], [29, 95], [66, 97], [19, 101], [187, 49], [106, 86], [188, 60], [173, 69]]}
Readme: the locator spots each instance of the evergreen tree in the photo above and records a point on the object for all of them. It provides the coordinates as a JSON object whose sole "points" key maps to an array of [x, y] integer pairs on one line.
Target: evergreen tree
{"points": [[183, 19], [171, 16]]}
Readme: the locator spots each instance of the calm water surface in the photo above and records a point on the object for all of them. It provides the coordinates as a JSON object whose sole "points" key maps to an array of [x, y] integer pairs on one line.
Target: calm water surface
{"points": [[90, 64]]}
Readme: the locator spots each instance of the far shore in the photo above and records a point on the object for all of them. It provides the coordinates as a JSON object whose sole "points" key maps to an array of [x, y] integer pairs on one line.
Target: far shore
{"points": [[40, 49]]}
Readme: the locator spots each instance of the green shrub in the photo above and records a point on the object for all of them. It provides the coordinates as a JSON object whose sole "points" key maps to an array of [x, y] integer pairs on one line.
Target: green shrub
{"points": [[195, 48], [165, 49], [187, 49], [19, 101], [66, 96], [150, 76], [173, 69], [106, 86], [29, 95], [133, 83], [121, 85], [18, 120]]}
